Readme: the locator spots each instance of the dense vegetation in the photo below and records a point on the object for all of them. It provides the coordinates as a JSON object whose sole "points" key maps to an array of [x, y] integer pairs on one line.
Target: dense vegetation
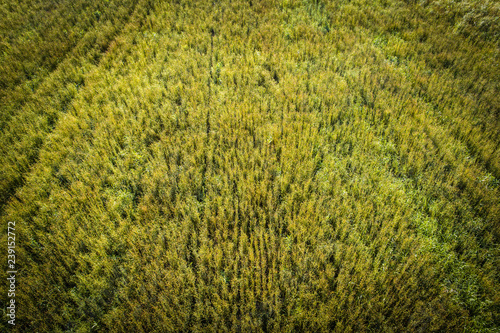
{"points": [[284, 166]]}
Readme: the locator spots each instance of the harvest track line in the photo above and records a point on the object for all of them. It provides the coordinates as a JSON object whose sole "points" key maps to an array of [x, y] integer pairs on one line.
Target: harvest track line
{"points": [[16, 181]]}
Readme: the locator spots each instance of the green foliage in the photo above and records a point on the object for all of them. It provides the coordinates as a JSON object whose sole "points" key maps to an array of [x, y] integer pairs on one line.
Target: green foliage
{"points": [[258, 166]]}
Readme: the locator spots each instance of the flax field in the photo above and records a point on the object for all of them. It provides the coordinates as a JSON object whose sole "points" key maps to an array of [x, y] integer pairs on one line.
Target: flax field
{"points": [[251, 166]]}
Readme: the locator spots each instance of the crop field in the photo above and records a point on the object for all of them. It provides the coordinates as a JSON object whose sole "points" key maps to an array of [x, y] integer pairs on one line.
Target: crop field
{"points": [[250, 166]]}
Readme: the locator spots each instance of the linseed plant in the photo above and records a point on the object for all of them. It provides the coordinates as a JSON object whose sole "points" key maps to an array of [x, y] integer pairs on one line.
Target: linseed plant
{"points": [[275, 166]]}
